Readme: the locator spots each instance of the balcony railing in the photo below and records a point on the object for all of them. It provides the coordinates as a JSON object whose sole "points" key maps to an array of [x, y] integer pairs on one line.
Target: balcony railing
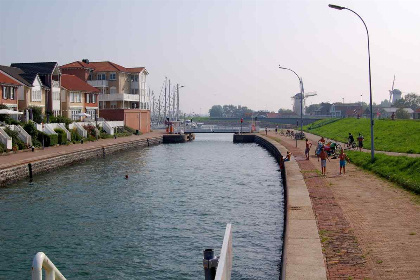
{"points": [[119, 97], [98, 83]]}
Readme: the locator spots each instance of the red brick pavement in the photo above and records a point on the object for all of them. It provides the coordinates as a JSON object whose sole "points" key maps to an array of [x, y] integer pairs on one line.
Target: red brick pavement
{"points": [[344, 257]]}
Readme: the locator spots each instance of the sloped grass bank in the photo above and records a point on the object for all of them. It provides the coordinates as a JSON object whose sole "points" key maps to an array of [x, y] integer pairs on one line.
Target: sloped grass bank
{"points": [[404, 171], [401, 136]]}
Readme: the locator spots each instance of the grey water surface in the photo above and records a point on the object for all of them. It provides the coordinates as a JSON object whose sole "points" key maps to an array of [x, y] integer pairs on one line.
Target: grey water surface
{"points": [[94, 224]]}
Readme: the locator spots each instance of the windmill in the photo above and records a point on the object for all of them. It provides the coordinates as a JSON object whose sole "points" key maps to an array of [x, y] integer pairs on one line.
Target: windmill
{"points": [[296, 101], [394, 94]]}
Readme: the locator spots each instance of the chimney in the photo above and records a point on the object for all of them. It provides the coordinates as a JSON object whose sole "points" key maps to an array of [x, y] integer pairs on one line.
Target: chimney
{"points": [[85, 61]]}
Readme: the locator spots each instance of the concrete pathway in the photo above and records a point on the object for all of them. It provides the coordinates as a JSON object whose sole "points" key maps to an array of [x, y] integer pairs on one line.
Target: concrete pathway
{"points": [[12, 159], [314, 138], [369, 228]]}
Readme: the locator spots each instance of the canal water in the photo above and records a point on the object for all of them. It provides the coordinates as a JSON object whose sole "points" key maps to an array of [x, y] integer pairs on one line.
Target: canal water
{"points": [[95, 224]]}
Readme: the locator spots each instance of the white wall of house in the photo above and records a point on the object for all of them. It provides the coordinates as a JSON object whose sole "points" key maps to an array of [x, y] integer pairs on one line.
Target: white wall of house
{"points": [[36, 92]]}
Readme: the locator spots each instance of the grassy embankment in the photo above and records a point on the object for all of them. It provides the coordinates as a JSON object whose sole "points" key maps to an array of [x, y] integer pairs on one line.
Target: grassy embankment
{"points": [[404, 171], [401, 136]]}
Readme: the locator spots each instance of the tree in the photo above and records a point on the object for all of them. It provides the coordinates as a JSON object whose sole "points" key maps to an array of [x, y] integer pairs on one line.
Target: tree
{"points": [[385, 103], [412, 100], [312, 108], [402, 114], [36, 114], [216, 111]]}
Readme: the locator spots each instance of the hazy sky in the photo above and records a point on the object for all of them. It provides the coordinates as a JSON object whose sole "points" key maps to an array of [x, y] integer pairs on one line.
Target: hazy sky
{"points": [[228, 52]]}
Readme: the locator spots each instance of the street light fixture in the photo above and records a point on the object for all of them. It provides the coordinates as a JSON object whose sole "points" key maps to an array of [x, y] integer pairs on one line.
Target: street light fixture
{"points": [[301, 100], [372, 149]]}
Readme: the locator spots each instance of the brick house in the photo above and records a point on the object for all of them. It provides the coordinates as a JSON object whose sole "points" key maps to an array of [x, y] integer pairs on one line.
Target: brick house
{"points": [[50, 76], [77, 97], [122, 91], [32, 92], [8, 91]]}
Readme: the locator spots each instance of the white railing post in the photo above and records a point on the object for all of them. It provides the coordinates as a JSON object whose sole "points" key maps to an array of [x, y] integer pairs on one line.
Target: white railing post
{"points": [[224, 267], [41, 261]]}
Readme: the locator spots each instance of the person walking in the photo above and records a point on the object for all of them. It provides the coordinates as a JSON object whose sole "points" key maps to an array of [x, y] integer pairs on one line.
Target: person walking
{"points": [[324, 156], [343, 158], [360, 139], [266, 131], [307, 149]]}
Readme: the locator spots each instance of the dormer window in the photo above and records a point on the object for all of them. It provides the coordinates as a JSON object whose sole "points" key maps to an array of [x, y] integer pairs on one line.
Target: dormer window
{"points": [[112, 76]]}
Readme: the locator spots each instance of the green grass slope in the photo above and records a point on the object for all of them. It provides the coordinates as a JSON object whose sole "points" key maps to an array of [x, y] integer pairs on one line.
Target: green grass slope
{"points": [[394, 136], [405, 171]]}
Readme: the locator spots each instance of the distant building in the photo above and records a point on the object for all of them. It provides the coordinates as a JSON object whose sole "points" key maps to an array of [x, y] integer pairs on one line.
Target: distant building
{"points": [[387, 112], [8, 91]]}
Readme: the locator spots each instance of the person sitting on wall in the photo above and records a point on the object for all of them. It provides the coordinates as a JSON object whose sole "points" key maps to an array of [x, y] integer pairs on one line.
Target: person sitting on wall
{"points": [[288, 156]]}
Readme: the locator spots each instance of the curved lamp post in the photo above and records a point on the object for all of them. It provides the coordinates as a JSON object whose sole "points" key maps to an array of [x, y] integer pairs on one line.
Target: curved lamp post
{"points": [[301, 99], [372, 149]]}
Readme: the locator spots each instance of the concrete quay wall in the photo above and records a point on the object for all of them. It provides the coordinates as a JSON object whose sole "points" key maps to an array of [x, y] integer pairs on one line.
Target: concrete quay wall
{"points": [[302, 256], [22, 170]]}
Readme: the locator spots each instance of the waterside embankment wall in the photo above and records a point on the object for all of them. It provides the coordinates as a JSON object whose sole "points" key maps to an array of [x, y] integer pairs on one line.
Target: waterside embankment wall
{"points": [[302, 256], [30, 168]]}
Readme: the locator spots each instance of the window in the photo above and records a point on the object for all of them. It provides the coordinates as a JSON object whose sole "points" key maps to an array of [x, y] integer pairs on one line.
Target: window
{"points": [[75, 97], [113, 104], [12, 93], [112, 76], [87, 98], [101, 76], [91, 112], [4, 92], [36, 95], [74, 113], [56, 95], [90, 77], [93, 98]]}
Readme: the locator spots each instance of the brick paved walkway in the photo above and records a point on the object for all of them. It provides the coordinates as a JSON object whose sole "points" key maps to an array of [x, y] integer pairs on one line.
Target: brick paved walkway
{"points": [[369, 228]]}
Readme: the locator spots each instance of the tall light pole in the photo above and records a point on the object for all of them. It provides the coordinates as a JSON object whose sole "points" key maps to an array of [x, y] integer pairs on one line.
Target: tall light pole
{"points": [[372, 149], [177, 100], [302, 92]]}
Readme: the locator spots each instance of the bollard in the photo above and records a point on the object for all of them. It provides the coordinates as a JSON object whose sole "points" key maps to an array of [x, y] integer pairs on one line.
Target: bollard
{"points": [[103, 151], [210, 263], [148, 144], [33, 149], [30, 170]]}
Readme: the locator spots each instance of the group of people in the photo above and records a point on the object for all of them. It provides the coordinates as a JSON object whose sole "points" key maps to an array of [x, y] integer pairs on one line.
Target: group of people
{"points": [[360, 139]]}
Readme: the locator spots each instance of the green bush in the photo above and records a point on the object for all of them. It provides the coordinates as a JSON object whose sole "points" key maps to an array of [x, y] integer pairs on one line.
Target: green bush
{"points": [[52, 140], [2, 148], [49, 140], [61, 119], [31, 129], [129, 129], [36, 114], [75, 137], [105, 135], [62, 136], [405, 171], [91, 138]]}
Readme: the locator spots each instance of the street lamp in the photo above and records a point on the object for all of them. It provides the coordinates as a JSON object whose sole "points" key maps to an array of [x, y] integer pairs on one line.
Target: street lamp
{"points": [[372, 149], [177, 101], [301, 100]]}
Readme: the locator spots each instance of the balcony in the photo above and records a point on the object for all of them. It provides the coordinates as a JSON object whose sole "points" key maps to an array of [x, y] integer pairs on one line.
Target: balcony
{"points": [[119, 97], [98, 83]]}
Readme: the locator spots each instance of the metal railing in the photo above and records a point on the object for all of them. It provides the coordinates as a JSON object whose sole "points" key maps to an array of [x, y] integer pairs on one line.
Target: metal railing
{"points": [[219, 268], [41, 261], [98, 83], [5, 139], [80, 130], [224, 267], [119, 97], [22, 134], [108, 128]]}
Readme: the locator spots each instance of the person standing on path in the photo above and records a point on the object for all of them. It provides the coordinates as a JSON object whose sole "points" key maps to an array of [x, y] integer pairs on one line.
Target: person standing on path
{"points": [[324, 156], [307, 149], [266, 130], [343, 158], [360, 139]]}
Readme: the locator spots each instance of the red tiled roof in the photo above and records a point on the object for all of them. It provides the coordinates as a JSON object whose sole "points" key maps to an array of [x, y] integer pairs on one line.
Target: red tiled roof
{"points": [[71, 82], [8, 81], [107, 66], [77, 64], [135, 69]]}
